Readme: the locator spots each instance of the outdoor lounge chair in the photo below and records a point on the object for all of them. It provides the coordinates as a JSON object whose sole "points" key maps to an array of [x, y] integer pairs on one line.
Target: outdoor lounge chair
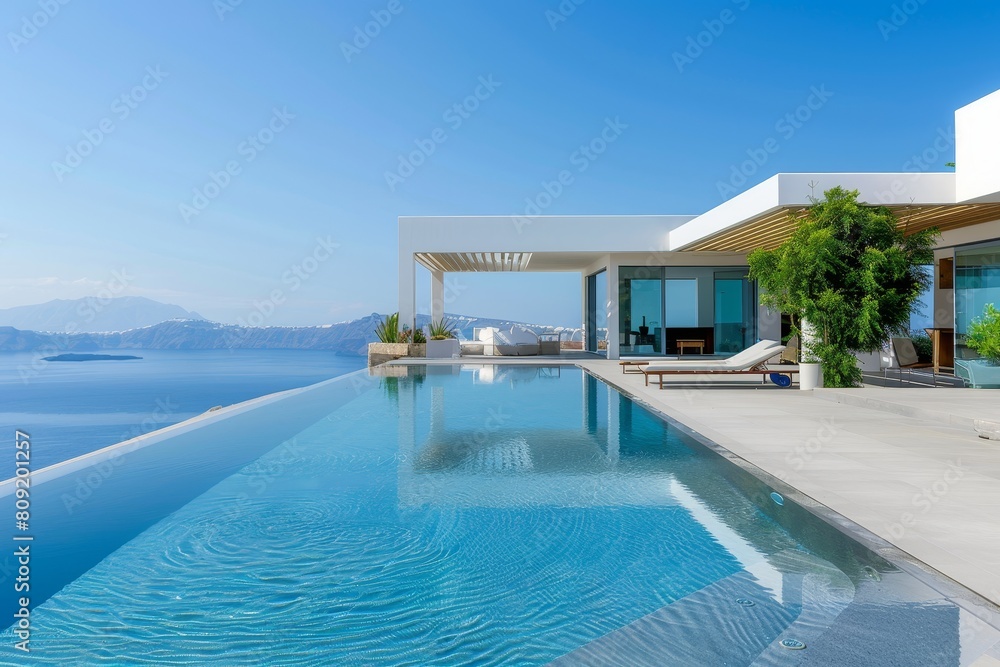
{"points": [[906, 359], [790, 355], [634, 362], [750, 361]]}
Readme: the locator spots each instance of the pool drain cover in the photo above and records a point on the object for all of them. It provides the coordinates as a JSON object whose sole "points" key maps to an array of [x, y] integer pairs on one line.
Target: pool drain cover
{"points": [[745, 602], [776, 497], [792, 644]]}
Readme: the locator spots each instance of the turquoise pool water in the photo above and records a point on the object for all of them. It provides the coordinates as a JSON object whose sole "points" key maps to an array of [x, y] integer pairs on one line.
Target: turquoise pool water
{"points": [[484, 515]]}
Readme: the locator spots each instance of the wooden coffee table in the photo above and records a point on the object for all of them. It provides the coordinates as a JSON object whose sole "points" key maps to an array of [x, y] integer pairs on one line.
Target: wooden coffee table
{"points": [[693, 343]]}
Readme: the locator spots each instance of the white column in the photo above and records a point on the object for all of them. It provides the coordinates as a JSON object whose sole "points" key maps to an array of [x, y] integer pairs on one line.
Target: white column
{"points": [[611, 306], [407, 288], [583, 308], [437, 296]]}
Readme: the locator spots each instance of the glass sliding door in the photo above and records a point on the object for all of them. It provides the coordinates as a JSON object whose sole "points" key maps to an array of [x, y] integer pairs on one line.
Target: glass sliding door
{"points": [[640, 310], [597, 311], [685, 310], [977, 283], [735, 312], [682, 302]]}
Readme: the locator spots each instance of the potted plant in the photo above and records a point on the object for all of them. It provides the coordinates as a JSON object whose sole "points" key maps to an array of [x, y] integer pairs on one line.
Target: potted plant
{"points": [[418, 348], [441, 342], [416, 343], [984, 339], [810, 365], [852, 275], [391, 343]]}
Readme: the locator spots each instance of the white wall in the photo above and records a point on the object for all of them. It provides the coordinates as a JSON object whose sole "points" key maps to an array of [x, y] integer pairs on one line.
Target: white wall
{"points": [[540, 234], [977, 150]]}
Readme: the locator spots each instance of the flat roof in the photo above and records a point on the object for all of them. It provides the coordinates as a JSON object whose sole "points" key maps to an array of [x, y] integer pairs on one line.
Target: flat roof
{"points": [[761, 217], [766, 214]]}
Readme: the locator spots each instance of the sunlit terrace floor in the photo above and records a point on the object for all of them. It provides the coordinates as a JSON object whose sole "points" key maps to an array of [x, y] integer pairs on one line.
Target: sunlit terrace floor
{"points": [[902, 462]]}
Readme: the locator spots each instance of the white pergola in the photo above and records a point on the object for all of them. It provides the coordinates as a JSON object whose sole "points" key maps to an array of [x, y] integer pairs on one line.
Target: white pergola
{"points": [[581, 244]]}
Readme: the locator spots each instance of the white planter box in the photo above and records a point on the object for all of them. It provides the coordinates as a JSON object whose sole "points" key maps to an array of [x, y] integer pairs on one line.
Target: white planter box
{"points": [[443, 349]]}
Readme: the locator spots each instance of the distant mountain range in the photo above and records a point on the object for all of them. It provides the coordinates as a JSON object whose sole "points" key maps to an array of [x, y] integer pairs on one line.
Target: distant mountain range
{"points": [[93, 314], [346, 338]]}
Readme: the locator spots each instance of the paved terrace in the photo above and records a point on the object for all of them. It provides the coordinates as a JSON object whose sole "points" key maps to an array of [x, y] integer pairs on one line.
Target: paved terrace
{"points": [[904, 463]]}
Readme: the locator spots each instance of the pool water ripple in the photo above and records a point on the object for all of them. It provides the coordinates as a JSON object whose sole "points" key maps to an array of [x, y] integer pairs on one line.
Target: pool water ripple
{"points": [[371, 540]]}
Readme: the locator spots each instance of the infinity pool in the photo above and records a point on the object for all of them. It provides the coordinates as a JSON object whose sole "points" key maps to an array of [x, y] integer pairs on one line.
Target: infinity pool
{"points": [[468, 515]]}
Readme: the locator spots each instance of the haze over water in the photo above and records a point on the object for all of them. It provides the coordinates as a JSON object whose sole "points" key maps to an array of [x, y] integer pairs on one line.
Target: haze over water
{"points": [[71, 408]]}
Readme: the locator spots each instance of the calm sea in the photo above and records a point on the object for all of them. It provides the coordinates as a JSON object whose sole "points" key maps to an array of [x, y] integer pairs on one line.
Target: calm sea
{"points": [[71, 408]]}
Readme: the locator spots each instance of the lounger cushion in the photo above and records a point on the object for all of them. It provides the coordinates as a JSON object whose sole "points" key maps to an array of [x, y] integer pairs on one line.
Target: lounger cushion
{"points": [[753, 355]]}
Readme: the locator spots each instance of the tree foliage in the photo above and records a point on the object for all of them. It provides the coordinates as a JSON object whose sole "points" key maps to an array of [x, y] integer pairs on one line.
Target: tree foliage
{"points": [[984, 334], [851, 273]]}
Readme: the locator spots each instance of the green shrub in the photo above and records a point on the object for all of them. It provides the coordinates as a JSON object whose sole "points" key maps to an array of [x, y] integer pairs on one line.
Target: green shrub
{"points": [[923, 345], [441, 329], [388, 329], [851, 273], [984, 334]]}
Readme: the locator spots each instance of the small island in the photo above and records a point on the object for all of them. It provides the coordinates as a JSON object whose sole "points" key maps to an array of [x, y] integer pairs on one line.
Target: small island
{"points": [[91, 357]]}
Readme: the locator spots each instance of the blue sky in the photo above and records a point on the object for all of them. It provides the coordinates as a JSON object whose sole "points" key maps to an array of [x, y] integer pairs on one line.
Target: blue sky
{"points": [[300, 131]]}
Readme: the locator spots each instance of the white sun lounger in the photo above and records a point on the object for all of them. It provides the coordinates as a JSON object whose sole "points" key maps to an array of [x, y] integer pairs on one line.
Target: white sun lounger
{"points": [[626, 364], [748, 362]]}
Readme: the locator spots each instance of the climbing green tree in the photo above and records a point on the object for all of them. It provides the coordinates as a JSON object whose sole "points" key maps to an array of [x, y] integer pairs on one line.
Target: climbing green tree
{"points": [[852, 273]]}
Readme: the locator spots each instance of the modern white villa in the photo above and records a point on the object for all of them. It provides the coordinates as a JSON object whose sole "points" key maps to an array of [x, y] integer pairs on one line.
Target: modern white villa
{"points": [[660, 279]]}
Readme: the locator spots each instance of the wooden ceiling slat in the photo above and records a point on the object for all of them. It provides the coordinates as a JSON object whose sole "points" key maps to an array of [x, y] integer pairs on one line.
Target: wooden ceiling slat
{"points": [[769, 231]]}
